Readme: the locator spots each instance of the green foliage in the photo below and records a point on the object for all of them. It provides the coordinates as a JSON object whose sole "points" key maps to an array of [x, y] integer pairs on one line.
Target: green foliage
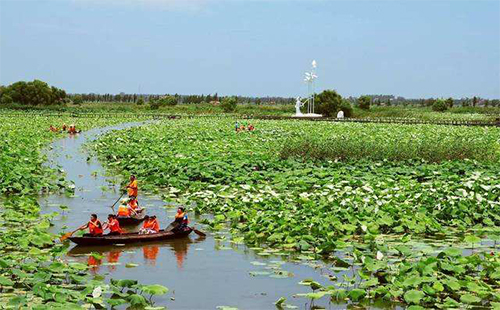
{"points": [[394, 143], [32, 93], [347, 108], [140, 101], [449, 102], [440, 106], [154, 104], [167, 101], [329, 102], [77, 100], [228, 104], [364, 102]]}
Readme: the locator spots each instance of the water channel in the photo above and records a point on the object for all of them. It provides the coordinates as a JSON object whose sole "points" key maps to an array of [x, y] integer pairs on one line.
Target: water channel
{"points": [[201, 273]]}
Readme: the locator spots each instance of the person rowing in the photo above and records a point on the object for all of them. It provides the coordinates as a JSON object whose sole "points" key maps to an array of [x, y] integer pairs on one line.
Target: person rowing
{"points": [[181, 218], [113, 226], [94, 226], [150, 226]]}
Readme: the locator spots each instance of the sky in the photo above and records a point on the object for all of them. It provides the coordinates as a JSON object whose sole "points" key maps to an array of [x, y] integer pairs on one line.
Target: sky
{"points": [[415, 49]]}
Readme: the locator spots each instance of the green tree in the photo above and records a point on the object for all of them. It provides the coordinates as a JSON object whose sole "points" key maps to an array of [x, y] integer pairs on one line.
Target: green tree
{"points": [[154, 104], [474, 101], [6, 99], [364, 102], [168, 100], [347, 108], [229, 104], [449, 102], [78, 100], [140, 101], [440, 106], [328, 102]]}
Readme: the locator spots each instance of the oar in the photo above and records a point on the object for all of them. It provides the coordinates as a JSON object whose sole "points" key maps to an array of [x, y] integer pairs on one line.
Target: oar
{"points": [[199, 233], [113, 206], [67, 235]]}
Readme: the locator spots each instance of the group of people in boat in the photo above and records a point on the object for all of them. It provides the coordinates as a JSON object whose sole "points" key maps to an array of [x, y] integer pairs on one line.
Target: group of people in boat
{"points": [[71, 129], [241, 127], [130, 207]]}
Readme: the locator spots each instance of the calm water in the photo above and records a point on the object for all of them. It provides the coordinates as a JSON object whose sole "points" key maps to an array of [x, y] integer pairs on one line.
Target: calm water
{"points": [[201, 273]]}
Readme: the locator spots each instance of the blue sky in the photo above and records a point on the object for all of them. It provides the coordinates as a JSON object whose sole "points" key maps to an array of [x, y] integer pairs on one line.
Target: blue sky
{"points": [[408, 48]]}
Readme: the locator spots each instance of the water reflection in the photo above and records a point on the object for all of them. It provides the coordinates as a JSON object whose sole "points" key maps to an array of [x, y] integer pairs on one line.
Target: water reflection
{"points": [[110, 255]]}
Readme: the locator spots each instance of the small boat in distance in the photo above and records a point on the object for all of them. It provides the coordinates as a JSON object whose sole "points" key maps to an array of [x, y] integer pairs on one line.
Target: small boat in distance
{"points": [[130, 238]]}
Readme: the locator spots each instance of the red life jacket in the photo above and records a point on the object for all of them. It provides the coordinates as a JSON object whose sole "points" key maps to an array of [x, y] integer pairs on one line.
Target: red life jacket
{"points": [[95, 228], [114, 226]]}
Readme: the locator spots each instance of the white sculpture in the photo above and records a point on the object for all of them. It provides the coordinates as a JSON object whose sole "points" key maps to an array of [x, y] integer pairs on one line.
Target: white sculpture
{"points": [[298, 104], [340, 115]]}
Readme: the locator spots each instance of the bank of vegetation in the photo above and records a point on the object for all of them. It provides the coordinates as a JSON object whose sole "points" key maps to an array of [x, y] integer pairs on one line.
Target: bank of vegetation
{"points": [[365, 213], [33, 273]]}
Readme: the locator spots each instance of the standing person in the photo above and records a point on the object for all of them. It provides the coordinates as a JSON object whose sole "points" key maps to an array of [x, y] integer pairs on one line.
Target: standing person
{"points": [[64, 127], [237, 126], [94, 226], [113, 226], [132, 188]]}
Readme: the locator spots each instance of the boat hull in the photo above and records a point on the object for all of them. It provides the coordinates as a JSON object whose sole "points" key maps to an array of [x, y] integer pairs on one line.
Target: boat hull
{"points": [[133, 220], [128, 238]]}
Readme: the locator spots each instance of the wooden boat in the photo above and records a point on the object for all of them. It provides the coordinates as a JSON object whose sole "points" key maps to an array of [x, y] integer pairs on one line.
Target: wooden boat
{"points": [[130, 238], [133, 220]]}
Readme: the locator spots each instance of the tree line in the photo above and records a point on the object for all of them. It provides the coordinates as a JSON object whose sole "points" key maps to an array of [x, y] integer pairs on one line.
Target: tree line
{"points": [[39, 93]]}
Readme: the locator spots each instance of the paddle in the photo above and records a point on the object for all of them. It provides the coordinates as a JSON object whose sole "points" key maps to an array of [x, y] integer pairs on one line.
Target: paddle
{"points": [[199, 233], [67, 235], [113, 206]]}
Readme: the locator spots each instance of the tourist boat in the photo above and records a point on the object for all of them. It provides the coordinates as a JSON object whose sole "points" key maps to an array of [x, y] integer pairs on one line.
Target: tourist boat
{"points": [[132, 220], [130, 238]]}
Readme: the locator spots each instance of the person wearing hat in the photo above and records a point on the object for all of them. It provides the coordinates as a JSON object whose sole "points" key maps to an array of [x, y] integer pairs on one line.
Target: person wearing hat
{"points": [[125, 210]]}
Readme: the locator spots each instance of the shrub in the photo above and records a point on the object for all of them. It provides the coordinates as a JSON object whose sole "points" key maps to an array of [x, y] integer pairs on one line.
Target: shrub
{"points": [[329, 103], [78, 100], [347, 108], [168, 100], [140, 101], [154, 104], [440, 106], [228, 104], [6, 99], [449, 102], [364, 102]]}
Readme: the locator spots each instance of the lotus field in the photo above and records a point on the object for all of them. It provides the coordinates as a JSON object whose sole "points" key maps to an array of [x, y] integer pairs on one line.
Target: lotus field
{"points": [[33, 274], [412, 210]]}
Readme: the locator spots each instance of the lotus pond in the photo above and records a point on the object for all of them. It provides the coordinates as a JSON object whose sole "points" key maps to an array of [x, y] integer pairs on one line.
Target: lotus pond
{"points": [[321, 214], [356, 211]]}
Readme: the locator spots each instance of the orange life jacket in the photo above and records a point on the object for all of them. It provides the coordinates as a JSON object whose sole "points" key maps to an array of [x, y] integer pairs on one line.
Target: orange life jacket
{"points": [[123, 210], [133, 204], [133, 190], [95, 228], [152, 224], [114, 226], [181, 217]]}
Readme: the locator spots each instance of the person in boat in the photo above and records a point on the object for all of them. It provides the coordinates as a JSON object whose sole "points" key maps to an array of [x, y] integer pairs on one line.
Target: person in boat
{"points": [[134, 204], [132, 188], [64, 127], [125, 209], [150, 226], [53, 129], [113, 225], [181, 218], [72, 129], [250, 127], [94, 226]]}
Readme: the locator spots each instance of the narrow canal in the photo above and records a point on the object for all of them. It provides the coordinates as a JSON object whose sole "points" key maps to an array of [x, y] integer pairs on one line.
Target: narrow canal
{"points": [[201, 273]]}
